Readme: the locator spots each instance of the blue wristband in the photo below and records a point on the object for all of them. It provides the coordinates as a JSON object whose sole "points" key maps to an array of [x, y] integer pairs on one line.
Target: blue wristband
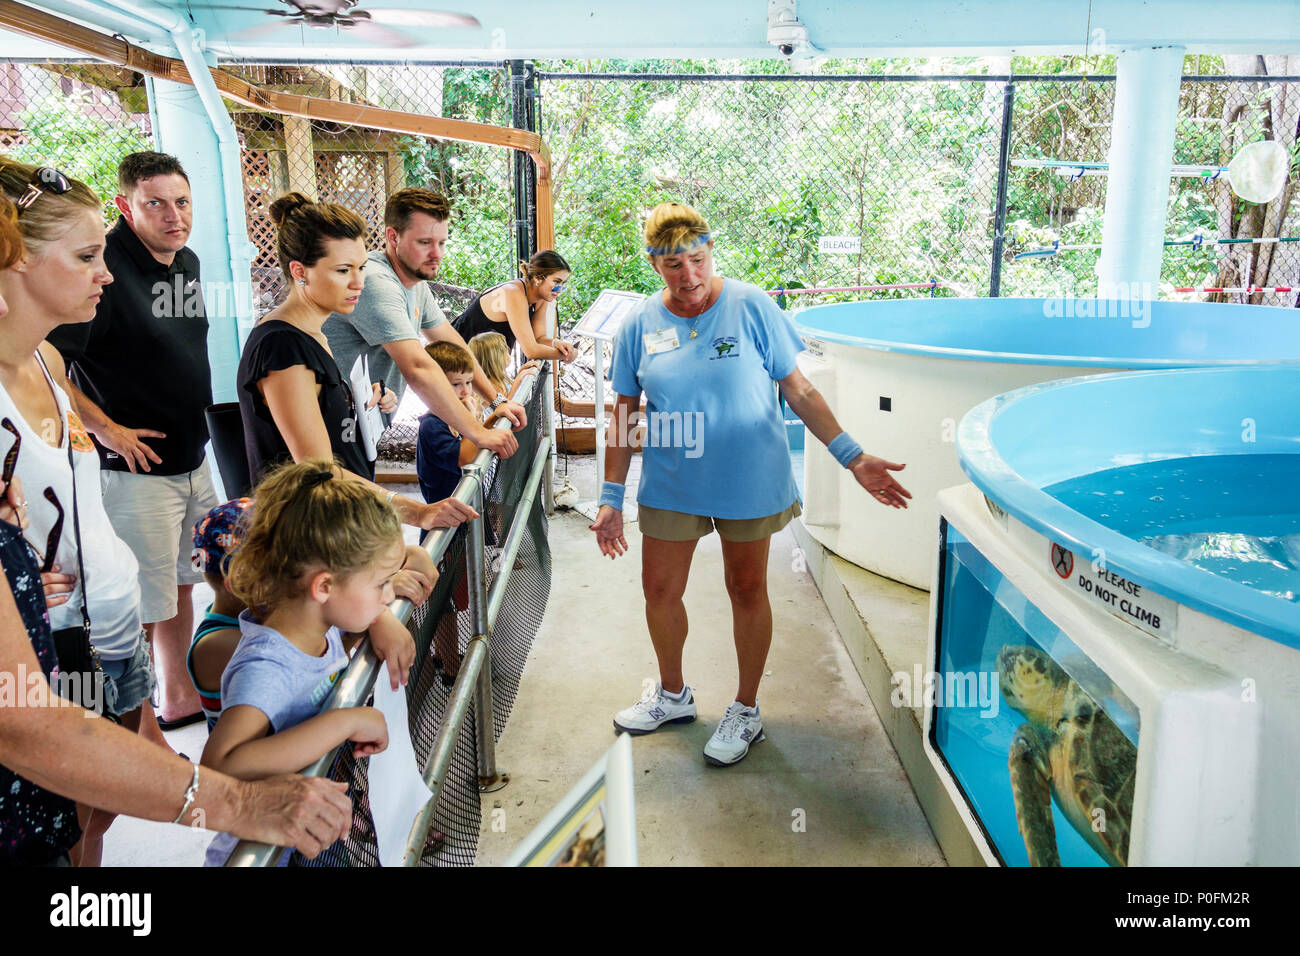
{"points": [[845, 449], [611, 493]]}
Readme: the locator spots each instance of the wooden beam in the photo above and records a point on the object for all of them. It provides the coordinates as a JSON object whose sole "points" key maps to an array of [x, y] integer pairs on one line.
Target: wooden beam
{"points": [[45, 26], [300, 156]]}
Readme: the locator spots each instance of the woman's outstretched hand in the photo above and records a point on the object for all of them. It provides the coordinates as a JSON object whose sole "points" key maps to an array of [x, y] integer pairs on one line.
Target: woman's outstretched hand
{"points": [[609, 531], [873, 474]]}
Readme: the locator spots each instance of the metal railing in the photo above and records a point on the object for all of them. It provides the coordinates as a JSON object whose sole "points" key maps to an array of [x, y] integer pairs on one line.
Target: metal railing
{"points": [[473, 686]]}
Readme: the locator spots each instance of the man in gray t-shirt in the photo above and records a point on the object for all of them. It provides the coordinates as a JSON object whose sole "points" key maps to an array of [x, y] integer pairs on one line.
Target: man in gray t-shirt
{"points": [[387, 312], [396, 307]]}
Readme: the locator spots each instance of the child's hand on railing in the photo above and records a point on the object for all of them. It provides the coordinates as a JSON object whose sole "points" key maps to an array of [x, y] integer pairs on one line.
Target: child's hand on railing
{"points": [[417, 577], [418, 560], [413, 586], [393, 644], [447, 513], [369, 733]]}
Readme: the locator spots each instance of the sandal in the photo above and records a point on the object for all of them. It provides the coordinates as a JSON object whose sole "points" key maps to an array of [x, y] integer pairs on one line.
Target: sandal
{"points": [[180, 722]]}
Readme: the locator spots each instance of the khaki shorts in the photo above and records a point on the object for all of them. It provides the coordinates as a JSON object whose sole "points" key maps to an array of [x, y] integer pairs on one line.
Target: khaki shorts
{"points": [[678, 526], [155, 515]]}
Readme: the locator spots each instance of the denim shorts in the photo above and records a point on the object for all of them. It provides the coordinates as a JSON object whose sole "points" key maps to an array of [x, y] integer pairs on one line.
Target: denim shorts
{"points": [[128, 683]]}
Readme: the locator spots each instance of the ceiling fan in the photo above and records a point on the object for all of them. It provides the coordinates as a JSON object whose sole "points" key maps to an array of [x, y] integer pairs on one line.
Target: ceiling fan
{"points": [[375, 25]]}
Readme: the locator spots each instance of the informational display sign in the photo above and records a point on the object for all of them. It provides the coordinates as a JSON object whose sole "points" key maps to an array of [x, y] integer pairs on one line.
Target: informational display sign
{"points": [[595, 823], [369, 421], [840, 245], [607, 313]]}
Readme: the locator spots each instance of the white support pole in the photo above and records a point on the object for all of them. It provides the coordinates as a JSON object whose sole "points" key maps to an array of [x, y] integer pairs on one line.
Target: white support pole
{"points": [[1141, 157], [598, 414]]}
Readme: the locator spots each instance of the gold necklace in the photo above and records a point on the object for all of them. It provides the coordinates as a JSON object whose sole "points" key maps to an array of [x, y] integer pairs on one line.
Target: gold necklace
{"points": [[696, 317]]}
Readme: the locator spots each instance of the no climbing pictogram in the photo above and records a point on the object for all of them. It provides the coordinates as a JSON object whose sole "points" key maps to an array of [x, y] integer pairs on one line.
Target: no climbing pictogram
{"points": [[1062, 562]]}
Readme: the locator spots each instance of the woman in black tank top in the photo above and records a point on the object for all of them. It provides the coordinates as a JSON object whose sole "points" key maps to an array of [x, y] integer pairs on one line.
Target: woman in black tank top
{"points": [[517, 309]]}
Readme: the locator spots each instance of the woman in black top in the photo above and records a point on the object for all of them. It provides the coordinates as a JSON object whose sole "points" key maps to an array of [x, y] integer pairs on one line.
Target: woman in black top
{"points": [[275, 345], [517, 309], [294, 402]]}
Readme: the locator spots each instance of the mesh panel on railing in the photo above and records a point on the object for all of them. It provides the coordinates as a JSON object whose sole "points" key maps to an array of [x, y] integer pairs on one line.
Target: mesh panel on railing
{"points": [[442, 629]]}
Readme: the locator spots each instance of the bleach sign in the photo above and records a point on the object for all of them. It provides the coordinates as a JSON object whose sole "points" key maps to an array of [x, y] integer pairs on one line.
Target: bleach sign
{"points": [[840, 245]]}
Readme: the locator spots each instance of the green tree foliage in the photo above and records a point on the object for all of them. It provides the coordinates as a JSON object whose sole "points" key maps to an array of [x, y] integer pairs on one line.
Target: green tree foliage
{"points": [[67, 132], [476, 179]]}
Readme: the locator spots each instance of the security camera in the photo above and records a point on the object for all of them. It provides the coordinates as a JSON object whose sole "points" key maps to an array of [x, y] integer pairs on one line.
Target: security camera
{"points": [[788, 35]]}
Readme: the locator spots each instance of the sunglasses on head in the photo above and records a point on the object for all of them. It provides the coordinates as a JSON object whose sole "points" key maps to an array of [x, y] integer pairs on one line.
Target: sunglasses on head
{"points": [[45, 179], [56, 532]]}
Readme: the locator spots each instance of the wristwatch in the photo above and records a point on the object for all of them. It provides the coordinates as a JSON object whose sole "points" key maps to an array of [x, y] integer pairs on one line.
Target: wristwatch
{"points": [[498, 401]]}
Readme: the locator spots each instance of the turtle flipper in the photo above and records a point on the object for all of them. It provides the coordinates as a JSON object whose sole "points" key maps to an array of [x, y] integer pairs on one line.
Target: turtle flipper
{"points": [[1109, 835], [1031, 789], [1103, 763]]}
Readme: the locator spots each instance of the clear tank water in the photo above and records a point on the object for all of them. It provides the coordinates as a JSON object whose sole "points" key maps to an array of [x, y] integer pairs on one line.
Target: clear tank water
{"points": [[1236, 516]]}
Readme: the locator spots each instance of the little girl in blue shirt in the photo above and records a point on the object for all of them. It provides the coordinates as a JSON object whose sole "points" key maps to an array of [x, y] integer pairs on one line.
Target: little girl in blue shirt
{"points": [[317, 561]]}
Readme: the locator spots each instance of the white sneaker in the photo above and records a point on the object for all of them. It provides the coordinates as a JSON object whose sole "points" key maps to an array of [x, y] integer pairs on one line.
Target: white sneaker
{"points": [[654, 710], [740, 727]]}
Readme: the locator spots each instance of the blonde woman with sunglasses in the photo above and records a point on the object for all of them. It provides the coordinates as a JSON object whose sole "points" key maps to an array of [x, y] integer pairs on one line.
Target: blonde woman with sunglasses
{"points": [[88, 573]]}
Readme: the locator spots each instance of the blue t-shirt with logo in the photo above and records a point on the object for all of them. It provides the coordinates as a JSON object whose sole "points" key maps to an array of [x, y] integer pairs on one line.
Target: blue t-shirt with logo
{"points": [[715, 442], [288, 685]]}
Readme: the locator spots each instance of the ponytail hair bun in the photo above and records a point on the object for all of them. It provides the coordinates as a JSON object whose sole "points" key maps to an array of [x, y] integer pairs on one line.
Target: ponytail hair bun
{"points": [[545, 262], [304, 226], [286, 206]]}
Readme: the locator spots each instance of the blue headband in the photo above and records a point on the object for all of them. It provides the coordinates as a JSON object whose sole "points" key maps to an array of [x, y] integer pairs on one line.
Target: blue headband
{"points": [[665, 251]]}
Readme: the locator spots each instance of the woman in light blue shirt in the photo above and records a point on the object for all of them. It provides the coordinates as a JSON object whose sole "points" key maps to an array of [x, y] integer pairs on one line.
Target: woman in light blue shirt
{"points": [[706, 353]]}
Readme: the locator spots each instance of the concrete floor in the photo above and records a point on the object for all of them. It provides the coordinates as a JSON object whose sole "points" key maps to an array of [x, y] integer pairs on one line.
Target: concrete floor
{"points": [[826, 753], [826, 764]]}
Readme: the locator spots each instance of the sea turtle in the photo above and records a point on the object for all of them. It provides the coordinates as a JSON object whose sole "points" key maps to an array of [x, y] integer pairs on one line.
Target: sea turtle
{"points": [[1069, 750]]}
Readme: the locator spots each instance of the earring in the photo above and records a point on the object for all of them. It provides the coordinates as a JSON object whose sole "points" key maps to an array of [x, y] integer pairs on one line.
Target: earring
{"points": [[302, 281]]}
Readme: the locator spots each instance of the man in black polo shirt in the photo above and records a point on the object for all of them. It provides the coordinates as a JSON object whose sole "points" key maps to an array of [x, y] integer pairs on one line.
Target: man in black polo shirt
{"points": [[142, 370]]}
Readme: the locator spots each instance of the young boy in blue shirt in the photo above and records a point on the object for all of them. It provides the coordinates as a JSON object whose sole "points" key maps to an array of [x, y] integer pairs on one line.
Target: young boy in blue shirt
{"points": [[439, 450]]}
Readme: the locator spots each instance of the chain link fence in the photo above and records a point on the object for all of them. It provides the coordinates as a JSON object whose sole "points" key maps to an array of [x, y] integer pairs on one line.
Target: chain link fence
{"points": [[84, 117], [1054, 217], [833, 181], [840, 182], [905, 173]]}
